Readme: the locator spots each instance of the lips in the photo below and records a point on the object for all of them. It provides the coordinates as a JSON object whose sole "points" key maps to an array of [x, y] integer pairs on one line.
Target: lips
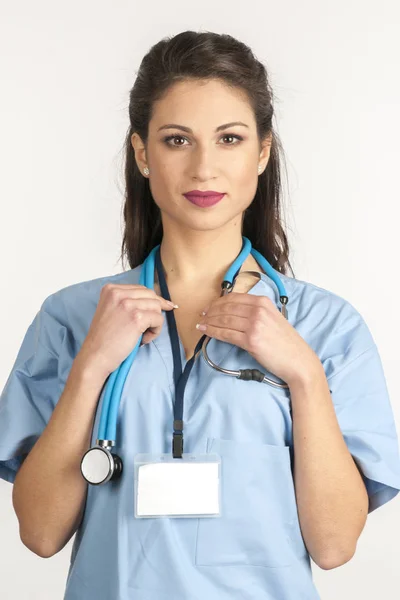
{"points": [[202, 193], [205, 199]]}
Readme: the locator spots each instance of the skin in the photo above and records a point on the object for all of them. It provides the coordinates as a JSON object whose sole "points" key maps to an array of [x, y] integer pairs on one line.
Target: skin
{"points": [[197, 248], [199, 244]]}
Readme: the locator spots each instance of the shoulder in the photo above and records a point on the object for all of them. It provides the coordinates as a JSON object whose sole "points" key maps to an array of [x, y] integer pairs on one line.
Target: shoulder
{"points": [[323, 317], [72, 307], [89, 290], [306, 296]]}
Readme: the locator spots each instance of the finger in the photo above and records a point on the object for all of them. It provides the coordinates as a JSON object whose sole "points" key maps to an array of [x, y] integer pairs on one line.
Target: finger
{"points": [[150, 335], [239, 298], [230, 322], [152, 303], [224, 334], [229, 308], [246, 298], [142, 291]]}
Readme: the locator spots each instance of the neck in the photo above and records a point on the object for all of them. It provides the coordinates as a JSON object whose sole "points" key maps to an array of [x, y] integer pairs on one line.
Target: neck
{"points": [[203, 257]]}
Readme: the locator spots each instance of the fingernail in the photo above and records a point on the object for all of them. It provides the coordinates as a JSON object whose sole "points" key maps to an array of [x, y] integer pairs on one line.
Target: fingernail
{"points": [[172, 304], [201, 326]]}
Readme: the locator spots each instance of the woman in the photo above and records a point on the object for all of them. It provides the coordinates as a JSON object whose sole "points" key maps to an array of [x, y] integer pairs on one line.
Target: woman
{"points": [[301, 462]]}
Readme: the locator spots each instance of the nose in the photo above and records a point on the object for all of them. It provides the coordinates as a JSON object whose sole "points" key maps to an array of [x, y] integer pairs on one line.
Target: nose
{"points": [[203, 163]]}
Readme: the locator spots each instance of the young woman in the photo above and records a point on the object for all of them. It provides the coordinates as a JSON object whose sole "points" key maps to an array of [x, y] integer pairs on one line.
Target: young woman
{"points": [[296, 453]]}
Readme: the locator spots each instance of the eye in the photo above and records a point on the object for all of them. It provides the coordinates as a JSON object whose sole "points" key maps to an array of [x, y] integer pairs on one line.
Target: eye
{"points": [[173, 137], [231, 135], [167, 139]]}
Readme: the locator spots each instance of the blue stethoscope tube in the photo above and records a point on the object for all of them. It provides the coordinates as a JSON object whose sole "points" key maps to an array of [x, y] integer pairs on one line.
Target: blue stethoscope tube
{"points": [[116, 381]]}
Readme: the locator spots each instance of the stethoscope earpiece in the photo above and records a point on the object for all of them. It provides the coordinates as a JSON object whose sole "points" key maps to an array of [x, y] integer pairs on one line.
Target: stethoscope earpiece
{"points": [[226, 288], [98, 464]]}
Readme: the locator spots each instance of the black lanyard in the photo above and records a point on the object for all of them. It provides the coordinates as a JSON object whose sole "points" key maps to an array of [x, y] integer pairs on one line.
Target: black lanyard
{"points": [[180, 378]]}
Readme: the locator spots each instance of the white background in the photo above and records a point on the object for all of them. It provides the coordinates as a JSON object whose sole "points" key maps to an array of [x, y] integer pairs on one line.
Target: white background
{"points": [[66, 72]]}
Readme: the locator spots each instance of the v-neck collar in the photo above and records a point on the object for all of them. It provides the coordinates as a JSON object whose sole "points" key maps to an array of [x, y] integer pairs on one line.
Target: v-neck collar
{"points": [[264, 287]]}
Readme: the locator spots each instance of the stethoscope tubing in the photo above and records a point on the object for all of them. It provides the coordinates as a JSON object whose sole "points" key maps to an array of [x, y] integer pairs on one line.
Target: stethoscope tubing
{"points": [[227, 289], [116, 381]]}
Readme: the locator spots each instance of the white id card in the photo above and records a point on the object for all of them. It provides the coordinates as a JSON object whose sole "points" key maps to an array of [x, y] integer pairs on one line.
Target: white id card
{"points": [[177, 487]]}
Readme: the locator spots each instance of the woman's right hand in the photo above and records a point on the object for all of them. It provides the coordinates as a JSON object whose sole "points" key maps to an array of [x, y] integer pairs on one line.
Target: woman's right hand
{"points": [[123, 313]]}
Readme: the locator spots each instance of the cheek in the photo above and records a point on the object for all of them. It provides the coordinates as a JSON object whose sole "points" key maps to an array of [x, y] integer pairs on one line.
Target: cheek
{"points": [[165, 181], [244, 183], [242, 165], [245, 175]]}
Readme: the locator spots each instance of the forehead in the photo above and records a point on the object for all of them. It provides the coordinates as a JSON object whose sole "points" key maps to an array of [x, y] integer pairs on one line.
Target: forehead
{"points": [[207, 101]]}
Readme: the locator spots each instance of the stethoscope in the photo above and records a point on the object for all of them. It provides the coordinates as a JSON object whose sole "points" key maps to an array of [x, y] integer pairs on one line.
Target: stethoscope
{"points": [[98, 464]]}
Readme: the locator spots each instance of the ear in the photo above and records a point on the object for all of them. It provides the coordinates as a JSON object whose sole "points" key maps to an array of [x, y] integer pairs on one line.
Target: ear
{"points": [[265, 151], [140, 151]]}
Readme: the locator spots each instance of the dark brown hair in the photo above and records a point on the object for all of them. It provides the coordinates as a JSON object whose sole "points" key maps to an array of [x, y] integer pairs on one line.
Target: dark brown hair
{"points": [[192, 55]]}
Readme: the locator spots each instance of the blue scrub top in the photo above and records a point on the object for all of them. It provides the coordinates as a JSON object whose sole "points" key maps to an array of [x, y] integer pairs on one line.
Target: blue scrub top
{"points": [[255, 550]]}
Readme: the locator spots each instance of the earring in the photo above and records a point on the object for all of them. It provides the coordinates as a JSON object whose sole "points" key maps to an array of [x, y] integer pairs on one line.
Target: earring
{"points": [[259, 169], [146, 171]]}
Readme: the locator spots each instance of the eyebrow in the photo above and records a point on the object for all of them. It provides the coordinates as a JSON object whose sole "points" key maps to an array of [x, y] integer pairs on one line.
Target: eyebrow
{"points": [[188, 130]]}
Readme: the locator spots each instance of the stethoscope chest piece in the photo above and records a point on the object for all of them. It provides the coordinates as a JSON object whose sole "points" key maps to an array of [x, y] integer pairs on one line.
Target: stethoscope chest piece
{"points": [[99, 465]]}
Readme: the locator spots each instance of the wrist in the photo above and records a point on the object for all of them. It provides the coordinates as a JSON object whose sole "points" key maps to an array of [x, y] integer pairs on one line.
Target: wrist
{"points": [[88, 369], [307, 373]]}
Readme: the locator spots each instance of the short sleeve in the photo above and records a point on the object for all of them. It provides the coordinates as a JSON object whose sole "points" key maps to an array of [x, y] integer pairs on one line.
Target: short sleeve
{"points": [[360, 396], [31, 391]]}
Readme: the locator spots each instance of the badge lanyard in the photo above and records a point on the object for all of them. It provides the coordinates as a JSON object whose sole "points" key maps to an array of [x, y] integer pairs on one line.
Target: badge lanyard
{"points": [[174, 484], [180, 378], [190, 486]]}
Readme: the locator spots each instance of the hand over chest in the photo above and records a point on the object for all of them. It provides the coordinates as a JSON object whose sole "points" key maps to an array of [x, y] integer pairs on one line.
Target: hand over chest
{"points": [[189, 312]]}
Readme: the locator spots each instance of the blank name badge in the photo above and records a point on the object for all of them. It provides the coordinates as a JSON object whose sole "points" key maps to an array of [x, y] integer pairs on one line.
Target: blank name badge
{"points": [[177, 487]]}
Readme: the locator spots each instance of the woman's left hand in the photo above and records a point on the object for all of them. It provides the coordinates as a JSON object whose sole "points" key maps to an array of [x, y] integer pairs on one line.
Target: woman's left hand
{"points": [[255, 324]]}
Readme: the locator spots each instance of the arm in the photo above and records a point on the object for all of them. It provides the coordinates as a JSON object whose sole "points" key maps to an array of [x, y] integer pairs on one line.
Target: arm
{"points": [[331, 496], [49, 492]]}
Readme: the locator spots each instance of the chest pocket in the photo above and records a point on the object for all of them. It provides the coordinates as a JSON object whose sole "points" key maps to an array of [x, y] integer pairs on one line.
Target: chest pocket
{"points": [[259, 521]]}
